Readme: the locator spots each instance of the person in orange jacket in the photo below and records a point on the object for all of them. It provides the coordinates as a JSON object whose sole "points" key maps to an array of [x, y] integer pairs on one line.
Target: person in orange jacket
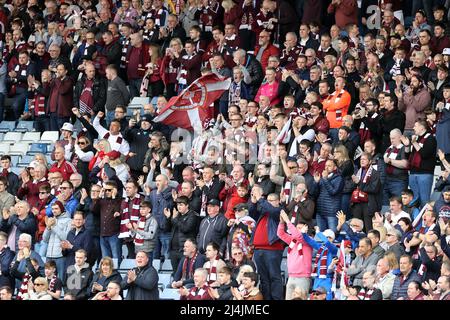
{"points": [[336, 106]]}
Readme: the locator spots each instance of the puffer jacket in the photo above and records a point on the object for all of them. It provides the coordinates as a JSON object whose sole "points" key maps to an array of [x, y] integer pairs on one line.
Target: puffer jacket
{"points": [[184, 226], [330, 192], [98, 93], [255, 70], [56, 234], [159, 202]]}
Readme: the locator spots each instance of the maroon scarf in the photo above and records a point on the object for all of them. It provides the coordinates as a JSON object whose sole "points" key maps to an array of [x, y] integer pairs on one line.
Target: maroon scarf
{"points": [[296, 244], [129, 216], [191, 267], [392, 150], [416, 158], [86, 97], [321, 261], [212, 271], [365, 295], [138, 239], [24, 286]]}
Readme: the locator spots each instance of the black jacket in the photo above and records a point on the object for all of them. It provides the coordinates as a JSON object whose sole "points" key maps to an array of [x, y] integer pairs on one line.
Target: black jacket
{"points": [[183, 227], [145, 287], [98, 93], [373, 188], [83, 240], [138, 140], [391, 120], [213, 191], [255, 70], [77, 284], [103, 281], [215, 230]]}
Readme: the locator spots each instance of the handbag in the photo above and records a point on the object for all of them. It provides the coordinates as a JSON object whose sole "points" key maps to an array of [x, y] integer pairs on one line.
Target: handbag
{"points": [[359, 196]]}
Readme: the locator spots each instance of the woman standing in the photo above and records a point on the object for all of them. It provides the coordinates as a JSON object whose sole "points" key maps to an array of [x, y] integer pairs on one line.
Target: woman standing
{"points": [[169, 72], [346, 168], [152, 84]]}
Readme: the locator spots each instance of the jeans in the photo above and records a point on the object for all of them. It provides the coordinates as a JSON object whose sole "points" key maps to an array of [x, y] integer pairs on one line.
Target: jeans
{"points": [[55, 122], [111, 247], [421, 186], [162, 246], [41, 248], [268, 264], [60, 266], [135, 87], [326, 222], [393, 187], [345, 204], [110, 116], [41, 124], [19, 102], [2, 106]]}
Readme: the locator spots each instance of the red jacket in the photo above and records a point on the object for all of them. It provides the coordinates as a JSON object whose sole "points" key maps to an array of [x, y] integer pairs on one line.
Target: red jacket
{"points": [[271, 50], [60, 96], [31, 192], [346, 12], [234, 200], [66, 169]]}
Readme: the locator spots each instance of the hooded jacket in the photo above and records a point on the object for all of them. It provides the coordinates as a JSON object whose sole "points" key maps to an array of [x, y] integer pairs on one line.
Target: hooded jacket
{"points": [[56, 234]]}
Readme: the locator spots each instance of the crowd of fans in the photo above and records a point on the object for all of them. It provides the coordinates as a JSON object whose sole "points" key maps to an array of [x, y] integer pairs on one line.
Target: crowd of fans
{"points": [[330, 146]]}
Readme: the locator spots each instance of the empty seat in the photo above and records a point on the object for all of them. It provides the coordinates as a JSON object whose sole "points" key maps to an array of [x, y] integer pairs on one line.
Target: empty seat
{"points": [[15, 160], [170, 294], [12, 137], [165, 279], [19, 148], [25, 161], [156, 264], [166, 266], [16, 170], [32, 136], [37, 148], [6, 126], [4, 148], [50, 136], [127, 264], [435, 195], [24, 126]]}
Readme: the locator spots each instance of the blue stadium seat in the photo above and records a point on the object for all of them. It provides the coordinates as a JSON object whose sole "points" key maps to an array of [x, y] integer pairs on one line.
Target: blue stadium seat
{"points": [[170, 294], [16, 170], [25, 161], [37, 148], [127, 264], [15, 160], [6, 126], [24, 126]]}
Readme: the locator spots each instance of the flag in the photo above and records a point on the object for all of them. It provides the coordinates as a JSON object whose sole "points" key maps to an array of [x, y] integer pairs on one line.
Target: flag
{"points": [[341, 264], [418, 219], [285, 135], [190, 109]]}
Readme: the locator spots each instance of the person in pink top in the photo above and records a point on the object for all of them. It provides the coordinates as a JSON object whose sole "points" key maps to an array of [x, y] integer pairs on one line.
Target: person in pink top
{"points": [[299, 256], [270, 87]]}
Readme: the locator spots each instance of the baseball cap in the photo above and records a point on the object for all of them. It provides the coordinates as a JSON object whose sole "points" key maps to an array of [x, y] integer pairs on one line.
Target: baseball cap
{"points": [[214, 202], [446, 51], [146, 117], [240, 206], [320, 290], [67, 126], [33, 164], [329, 233]]}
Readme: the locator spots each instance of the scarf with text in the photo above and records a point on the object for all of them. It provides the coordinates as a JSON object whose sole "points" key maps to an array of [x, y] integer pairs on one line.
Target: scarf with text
{"points": [[320, 263], [86, 97]]}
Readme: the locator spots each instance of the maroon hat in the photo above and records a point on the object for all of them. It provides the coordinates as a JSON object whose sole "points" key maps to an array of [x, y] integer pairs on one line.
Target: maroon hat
{"points": [[60, 205]]}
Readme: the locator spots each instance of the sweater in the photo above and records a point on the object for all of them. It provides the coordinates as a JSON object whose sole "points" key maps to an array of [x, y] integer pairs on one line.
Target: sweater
{"points": [[414, 106], [299, 266], [116, 94]]}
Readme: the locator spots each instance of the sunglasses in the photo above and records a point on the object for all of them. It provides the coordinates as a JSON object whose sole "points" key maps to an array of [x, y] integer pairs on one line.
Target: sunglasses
{"points": [[38, 284], [81, 143], [64, 188], [108, 190]]}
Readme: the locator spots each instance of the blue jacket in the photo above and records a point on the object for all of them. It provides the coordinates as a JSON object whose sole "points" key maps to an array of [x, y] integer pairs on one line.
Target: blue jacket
{"points": [[27, 225], [159, 202], [258, 210], [71, 206], [330, 193], [83, 240], [332, 251], [6, 257], [442, 130], [348, 234]]}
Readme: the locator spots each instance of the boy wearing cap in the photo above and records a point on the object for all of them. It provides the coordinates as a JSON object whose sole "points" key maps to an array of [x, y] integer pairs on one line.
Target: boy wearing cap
{"points": [[326, 250]]}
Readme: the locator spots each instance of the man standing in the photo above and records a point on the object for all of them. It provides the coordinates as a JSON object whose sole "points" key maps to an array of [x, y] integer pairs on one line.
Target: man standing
{"points": [[141, 281], [116, 93], [422, 161], [114, 137], [192, 260], [90, 91], [77, 238], [268, 246], [60, 98], [137, 59], [13, 179]]}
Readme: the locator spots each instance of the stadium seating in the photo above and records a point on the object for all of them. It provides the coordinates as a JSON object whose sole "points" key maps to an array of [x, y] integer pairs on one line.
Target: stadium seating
{"points": [[24, 126], [170, 294], [12, 137], [25, 161], [37, 148], [166, 266], [16, 170], [165, 279], [20, 148], [15, 160], [156, 264], [6, 126], [4, 148], [127, 264], [50, 136], [31, 136]]}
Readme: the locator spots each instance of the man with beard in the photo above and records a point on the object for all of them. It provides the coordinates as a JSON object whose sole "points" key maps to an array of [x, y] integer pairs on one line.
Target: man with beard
{"points": [[392, 119], [413, 102], [367, 121]]}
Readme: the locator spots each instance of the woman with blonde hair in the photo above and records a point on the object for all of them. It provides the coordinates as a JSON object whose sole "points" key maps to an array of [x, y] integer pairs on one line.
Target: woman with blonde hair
{"points": [[152, 84], [40, 157], [347, 169], [104, 275], [37, 290], [169, 72], [393, 263]]}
